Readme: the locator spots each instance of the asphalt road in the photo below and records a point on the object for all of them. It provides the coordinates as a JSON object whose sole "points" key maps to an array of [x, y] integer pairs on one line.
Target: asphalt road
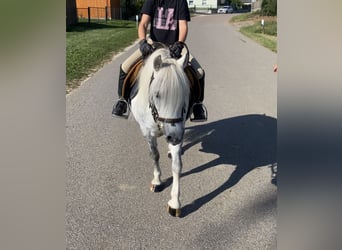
{"points": [[227, 193]]}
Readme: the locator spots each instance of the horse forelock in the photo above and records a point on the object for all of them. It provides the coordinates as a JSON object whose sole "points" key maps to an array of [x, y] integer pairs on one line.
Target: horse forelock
{"points": [[173, 85], [170, 81]]}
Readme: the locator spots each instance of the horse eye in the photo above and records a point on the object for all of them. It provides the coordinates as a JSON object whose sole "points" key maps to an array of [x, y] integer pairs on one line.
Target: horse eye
{"points": [[157, 95]]}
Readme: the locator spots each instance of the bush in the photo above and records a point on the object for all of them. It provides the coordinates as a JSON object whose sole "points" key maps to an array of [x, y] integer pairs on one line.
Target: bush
{"points": [[269, 8], [236, 4]]}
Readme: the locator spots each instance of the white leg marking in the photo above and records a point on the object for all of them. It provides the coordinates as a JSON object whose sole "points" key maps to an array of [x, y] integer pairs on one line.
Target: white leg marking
{"points": [[152, 142], [176, 170]]}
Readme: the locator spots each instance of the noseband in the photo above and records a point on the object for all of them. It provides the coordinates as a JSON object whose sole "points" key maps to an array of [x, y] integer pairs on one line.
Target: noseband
{"points": [[157, 118]]}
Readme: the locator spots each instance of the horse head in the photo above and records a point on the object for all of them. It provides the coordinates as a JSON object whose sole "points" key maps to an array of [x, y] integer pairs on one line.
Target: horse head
{"points": [[169, 94]]}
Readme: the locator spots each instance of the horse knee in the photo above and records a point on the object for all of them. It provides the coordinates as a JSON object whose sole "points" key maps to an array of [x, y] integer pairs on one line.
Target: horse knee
{"points": [[154, 155]]}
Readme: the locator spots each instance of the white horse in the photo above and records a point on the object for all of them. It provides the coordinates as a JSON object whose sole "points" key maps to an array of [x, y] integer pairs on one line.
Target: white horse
{"points": [[160, 107]]}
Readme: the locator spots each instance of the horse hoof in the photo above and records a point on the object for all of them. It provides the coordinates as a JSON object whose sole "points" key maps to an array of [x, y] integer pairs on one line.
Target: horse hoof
{"points": [[175, 212], [156, 188]]}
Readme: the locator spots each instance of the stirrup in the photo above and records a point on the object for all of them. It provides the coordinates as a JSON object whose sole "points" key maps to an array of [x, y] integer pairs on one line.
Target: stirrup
{"points": [[192, 117], [126, 114]]}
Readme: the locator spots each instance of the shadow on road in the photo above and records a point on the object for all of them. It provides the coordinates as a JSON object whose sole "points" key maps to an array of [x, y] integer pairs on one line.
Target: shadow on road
{"points": [[82, 27], [246, 141]]}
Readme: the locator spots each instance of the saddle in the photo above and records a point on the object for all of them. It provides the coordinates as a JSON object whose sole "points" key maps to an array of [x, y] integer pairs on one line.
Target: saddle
{"points": [[131, 79], [128, 89]]}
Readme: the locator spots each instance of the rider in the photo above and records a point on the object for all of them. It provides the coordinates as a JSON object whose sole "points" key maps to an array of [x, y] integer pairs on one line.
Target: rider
{"points": [[169, 25]]}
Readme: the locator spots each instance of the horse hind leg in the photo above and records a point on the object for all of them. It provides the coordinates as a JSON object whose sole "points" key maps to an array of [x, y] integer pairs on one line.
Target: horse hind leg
{"points": [[156, 184]]}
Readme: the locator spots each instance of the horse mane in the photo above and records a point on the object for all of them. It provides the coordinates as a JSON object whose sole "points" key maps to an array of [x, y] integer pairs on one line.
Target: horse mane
{"points": [[170, 80]]}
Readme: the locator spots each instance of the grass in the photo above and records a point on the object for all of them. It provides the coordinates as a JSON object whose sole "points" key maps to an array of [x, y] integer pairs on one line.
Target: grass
{"points": [[251, 27], [265, 36], [89, 46], [246, 17]]}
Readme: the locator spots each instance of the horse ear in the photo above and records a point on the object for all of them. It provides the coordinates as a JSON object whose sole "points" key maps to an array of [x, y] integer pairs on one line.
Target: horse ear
{"points": [[157, 63], [183, 61]]}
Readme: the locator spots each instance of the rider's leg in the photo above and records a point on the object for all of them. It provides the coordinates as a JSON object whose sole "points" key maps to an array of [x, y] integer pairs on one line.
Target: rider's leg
{"points": [[199, 110], [120, 107]]}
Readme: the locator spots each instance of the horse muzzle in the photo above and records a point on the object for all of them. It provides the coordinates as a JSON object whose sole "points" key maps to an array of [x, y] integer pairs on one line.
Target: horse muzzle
{"points": [[173, 139], [174, 132]]}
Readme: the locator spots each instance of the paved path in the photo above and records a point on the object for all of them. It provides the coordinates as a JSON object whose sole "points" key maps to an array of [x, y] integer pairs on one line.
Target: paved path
{"points": [[227, 194]]}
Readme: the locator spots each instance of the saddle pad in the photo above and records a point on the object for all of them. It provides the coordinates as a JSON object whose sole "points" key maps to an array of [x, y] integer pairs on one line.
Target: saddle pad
{"points": [[131, 78]]}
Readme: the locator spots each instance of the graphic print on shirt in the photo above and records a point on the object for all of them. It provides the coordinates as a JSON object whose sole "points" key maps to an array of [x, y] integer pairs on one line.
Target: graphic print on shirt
{"points": [[164, 19]]}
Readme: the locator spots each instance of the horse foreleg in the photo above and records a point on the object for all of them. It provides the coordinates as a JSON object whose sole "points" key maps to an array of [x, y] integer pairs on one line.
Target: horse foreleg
{"points": [[156, 185], [174, 206]]}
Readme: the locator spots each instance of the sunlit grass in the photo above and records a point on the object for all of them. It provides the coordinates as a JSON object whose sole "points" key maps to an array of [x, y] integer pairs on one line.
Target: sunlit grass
{"points": [[245, 16], [266, 36], [251, 27], [88, 46]]}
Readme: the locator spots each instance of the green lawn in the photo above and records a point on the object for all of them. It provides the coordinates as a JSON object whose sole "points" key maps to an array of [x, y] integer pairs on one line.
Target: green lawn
{"points": [[266, 36], [245, 17], [88, 46]]}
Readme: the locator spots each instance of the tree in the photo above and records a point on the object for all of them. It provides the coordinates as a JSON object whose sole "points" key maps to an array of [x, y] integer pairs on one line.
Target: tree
{"points": [[71, 12], [132, 8], [236, 4], [269, 8]]}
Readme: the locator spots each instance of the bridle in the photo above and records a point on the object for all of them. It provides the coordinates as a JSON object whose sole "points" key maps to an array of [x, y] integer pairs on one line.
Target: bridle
{"points": [[157, 118], [153, 108]]}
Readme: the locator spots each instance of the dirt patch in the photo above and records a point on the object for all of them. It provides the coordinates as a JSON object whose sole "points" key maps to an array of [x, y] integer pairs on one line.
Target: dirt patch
{"points": [[243, 23]]}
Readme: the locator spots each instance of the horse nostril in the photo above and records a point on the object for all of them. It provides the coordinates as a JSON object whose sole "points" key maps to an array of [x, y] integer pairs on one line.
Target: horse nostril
{"points": [[168, 138]]}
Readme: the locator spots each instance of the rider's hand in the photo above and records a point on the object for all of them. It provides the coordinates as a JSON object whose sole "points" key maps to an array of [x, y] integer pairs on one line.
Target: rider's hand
{"points": [[176, 49], [145, 48], [275, 68]]}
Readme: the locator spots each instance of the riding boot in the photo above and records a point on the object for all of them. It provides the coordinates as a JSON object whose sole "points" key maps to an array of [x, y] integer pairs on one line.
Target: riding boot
{"points": [[120, 107], [199, 111]]}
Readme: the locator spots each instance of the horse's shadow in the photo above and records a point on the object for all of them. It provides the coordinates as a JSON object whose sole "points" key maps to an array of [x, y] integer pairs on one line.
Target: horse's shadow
{"points": [[247, 142]]}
